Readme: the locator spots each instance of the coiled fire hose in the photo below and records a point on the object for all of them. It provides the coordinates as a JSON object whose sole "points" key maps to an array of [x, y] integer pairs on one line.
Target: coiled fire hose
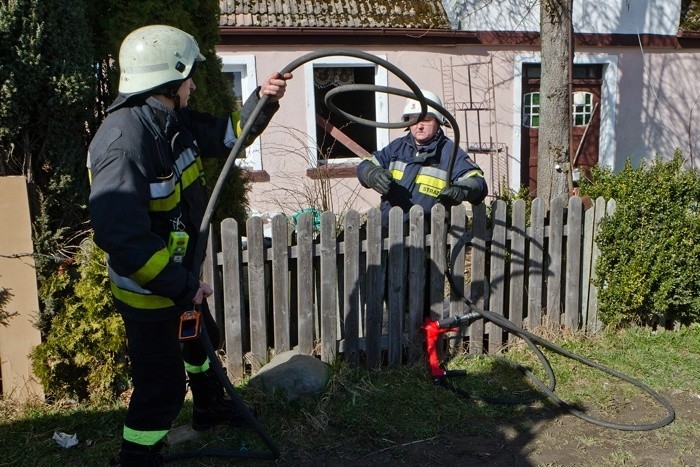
{"points": [[529, 338], [533, 340], [203, 234]]}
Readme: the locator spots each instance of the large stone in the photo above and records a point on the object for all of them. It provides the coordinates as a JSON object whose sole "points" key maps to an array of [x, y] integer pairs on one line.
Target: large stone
{"points": [[292, 374]]}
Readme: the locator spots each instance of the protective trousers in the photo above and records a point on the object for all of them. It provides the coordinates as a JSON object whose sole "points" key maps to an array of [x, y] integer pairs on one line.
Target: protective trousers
{"points": [[158, 375]]}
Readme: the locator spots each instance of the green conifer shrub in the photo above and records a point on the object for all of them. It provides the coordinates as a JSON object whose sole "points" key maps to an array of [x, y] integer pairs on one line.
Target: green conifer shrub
{"points": [[84, 355]]}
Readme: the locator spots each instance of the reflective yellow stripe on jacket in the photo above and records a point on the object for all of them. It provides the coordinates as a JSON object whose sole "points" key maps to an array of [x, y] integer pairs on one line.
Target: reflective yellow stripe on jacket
{"points": [[165, 195], [129, 291], [431, 180]]}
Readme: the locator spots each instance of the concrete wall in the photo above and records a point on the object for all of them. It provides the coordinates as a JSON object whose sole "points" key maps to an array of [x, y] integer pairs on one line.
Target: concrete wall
{"points": [[18, 280]]}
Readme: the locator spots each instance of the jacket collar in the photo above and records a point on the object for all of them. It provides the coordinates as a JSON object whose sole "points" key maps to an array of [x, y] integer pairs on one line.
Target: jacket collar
{"points": [[164, 119]]}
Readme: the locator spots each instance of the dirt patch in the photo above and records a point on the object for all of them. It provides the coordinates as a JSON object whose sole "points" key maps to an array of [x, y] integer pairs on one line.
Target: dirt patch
{"points": [[543, 437]]}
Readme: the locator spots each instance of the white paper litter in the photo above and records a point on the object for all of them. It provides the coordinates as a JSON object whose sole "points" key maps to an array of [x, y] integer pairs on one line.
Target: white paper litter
{"points": [[64, 439]]}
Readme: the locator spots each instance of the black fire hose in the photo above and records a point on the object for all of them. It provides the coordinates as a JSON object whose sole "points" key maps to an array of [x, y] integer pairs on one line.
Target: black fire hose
{"points": [[200, 249], [417, 94], [533, 340]]}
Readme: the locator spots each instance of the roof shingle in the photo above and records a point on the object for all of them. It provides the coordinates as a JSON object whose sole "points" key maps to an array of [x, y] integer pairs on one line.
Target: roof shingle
{"points": [[417, 14]]}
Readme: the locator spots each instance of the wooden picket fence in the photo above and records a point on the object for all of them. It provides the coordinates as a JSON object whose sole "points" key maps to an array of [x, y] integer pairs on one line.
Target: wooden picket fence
{"points": [[324, 293]]}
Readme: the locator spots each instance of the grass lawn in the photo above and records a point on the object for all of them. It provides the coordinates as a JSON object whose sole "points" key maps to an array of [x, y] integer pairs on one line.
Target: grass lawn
{"points": [[399, 415]]}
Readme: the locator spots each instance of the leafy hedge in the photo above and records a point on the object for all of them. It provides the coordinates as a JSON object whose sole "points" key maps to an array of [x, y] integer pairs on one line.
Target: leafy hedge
{"points": [[649, 268], [84, 354]]}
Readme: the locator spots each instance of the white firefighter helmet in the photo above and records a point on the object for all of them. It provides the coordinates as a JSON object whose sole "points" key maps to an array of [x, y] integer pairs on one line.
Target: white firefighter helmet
{"points": [[412, 107], [156, 55]]}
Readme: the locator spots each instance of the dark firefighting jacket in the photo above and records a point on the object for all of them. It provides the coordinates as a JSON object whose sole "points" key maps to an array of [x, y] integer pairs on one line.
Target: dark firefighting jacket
{"points": [[146, 183], [420, 172]]}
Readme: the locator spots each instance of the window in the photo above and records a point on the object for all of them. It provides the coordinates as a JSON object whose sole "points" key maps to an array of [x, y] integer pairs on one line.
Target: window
{"points": [[579, 71], [582, 108], [589, 71], [332, 137], [235, 80], [531, 110], [240, 72]]}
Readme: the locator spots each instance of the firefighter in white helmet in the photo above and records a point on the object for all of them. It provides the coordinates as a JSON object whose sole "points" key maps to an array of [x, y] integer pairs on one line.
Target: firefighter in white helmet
{"points": [[412, 108], [146, 206], [412, 170]]}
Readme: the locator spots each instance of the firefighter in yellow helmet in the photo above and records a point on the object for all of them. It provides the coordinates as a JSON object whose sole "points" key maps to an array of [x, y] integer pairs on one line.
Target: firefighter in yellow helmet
{"points": [[146, 205]]}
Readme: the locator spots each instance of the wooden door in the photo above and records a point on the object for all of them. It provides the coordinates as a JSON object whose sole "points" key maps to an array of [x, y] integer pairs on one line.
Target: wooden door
{"points": [[587, 81]]}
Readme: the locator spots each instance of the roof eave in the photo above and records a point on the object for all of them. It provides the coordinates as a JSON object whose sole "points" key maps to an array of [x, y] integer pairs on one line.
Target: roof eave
{"points": [[689, 39], [260, 35]]}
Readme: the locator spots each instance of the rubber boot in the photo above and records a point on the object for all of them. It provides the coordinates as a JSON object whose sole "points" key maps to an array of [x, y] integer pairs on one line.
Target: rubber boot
{"points": [[210, 407], [138, 455]]}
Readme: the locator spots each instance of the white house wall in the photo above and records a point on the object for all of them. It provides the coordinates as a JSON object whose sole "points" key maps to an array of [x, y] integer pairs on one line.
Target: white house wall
{"points": [[590, 16], [649, 107], [657, 105], [285, 144]]}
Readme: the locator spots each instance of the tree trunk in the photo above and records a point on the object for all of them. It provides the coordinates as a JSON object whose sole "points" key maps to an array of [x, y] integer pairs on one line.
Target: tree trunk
{"points": [[554, 148]]}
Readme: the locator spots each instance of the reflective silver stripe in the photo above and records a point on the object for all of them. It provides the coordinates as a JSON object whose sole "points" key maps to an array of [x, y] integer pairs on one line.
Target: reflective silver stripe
{"points": [[471, 173], [185, 159], [230, 136], [374, 161], [163, 189], [398, 165], [433, 172], [125, 283], [88, 164], [145, 68], [167, 187]]}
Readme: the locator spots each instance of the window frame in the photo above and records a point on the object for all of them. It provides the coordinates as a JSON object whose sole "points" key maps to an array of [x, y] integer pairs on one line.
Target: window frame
{"points": [[586, 108], [245, 64], [528, 116], [380, 102]]}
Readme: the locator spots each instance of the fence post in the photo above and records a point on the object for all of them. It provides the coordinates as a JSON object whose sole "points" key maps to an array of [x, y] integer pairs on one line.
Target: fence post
{"points": [[594, 325], [586, 265], [234, 319], [329, 288], [351, 297], [458, 240], [375, 290], [517, 266], [280, 293], [572, 304], [554, 263], [496, 299], [210, 275], [535, 263], [396, 286], [256, 291], [478, 289], [438, 254], [416, 282], [305, 281]]}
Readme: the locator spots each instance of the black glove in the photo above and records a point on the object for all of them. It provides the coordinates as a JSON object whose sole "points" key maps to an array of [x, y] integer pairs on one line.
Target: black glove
{"points": [[378, 179], [452, 196]]}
